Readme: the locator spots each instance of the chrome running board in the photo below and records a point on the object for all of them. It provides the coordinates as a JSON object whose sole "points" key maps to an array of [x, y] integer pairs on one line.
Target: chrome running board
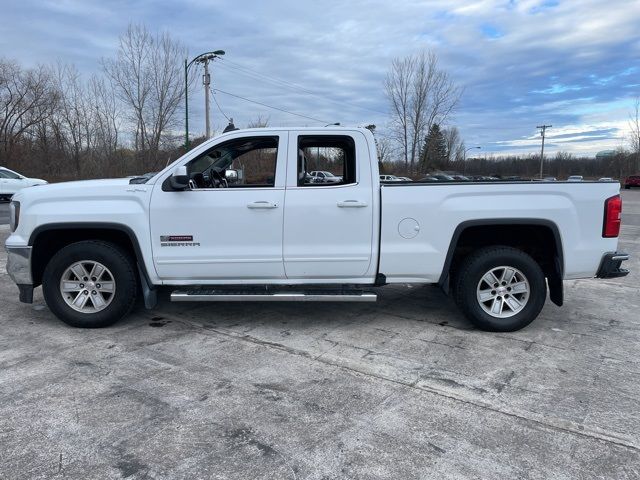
{"points": [[272, 295]]}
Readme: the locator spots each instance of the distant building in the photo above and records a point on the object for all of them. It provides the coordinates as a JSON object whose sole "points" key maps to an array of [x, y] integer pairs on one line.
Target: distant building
{"points": [[601, 155]]}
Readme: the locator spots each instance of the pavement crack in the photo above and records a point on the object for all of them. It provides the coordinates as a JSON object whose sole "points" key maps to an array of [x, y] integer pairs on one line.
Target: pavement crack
{"points": [[565, 426]]}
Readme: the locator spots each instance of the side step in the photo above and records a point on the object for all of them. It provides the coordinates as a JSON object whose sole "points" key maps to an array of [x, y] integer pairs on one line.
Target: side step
{"points": [[272, 295]]}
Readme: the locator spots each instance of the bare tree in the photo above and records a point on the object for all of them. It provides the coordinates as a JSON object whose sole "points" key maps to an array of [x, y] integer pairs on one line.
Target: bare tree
{"points": [[398, 87], [27, 98], [107, 120], [147, 75], [259, 122], [73, 115], [420, 94], [453, 143], [384, 149], [634, 135]]}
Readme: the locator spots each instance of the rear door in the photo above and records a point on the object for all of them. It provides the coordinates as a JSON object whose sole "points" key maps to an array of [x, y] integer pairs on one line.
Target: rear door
{"points": [[329, 227]]}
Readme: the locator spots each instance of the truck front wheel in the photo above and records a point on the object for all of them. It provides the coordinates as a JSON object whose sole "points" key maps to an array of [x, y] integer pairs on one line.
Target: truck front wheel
{"points": [[90, 284], [500, 289]]}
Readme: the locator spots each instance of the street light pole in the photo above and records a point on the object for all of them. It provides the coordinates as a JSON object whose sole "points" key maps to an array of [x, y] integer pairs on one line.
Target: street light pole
{"points": [[464, 159], [206, 81], [186, 105], [202, 58]]}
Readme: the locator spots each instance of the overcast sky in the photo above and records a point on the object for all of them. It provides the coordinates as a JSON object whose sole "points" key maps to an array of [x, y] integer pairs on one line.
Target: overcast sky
{"points": [[574, 64]]}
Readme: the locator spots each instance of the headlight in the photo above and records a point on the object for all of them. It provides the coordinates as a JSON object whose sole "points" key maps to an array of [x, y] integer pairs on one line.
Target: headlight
{"points": [[14, 215]]}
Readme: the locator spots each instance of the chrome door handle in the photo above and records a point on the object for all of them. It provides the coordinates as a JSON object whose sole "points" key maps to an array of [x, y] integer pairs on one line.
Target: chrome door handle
{"points": [[352, 204], [262, 204]]}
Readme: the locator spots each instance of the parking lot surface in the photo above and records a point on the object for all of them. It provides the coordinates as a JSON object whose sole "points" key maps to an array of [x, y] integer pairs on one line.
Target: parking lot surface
{"points": [[401, 389], [4, 212]]}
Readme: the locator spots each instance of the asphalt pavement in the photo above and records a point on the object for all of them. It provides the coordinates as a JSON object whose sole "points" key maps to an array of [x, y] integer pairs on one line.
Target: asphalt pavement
{"points": [[402, 388]]}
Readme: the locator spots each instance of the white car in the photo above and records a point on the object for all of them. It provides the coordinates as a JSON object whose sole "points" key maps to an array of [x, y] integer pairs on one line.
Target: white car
{"points": [[390, 178], [575, 178], [93, 245], [321, 176], [11, 182]]}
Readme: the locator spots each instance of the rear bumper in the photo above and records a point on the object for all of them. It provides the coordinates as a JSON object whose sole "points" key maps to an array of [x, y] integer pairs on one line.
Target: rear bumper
{"points": [[19, 269], [610, 265]]}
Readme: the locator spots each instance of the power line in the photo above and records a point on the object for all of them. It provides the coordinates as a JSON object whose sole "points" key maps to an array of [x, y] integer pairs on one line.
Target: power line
{"points": [[218, 105], [251, 72], [271, 106], [289, 85]]}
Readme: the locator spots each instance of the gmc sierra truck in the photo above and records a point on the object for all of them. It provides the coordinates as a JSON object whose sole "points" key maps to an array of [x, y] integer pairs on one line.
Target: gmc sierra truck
{"points": [[239, 218]]}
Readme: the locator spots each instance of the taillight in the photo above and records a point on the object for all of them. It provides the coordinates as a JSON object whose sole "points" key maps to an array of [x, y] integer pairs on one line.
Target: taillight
{"points": [[612, 211]]}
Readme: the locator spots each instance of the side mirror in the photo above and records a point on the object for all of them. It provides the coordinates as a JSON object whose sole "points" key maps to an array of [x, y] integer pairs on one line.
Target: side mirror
{"points": [[179, 178]]}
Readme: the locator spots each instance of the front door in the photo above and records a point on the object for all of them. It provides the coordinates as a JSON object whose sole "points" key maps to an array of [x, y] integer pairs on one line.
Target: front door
{"points": [[328, 227], [228, 226]]}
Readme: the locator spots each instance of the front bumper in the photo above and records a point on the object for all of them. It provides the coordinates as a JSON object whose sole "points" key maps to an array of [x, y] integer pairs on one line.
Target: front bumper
{"points": [[610, 265], [19, 269]]}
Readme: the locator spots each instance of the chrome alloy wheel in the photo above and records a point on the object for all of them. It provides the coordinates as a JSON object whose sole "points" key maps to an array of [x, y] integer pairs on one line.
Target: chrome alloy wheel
{"points": [[87, 286], [503, 292]]}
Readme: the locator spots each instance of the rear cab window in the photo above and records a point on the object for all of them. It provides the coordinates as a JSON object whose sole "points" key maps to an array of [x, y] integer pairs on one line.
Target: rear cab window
{"points": [[326, 160]]}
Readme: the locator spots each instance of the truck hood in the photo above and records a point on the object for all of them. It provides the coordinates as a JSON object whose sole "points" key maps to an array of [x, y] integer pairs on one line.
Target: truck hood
{"points": [[76, 189]]}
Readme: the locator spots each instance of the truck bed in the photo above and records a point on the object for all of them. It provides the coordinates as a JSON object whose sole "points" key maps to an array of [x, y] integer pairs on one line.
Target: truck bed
{"points": [[419, 221]]}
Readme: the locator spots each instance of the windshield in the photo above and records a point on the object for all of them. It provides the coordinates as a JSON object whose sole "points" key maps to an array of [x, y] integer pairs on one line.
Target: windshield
{"points": [[9, 174]]}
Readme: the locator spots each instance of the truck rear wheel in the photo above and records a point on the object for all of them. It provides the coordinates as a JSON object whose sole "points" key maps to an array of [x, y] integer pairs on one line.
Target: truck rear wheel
{"points": [[90, 284], [500, 289]]}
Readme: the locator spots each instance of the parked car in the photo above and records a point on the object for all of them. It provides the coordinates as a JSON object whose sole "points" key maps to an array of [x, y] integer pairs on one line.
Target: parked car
{"points": [[443, 177], [93, 245], [405, 179], [429, 178], [514, 178], [483, 178], [325, 177], [632, 181], [12, 182], [460, 178], [390, 178], [549, 179], [606, 179], [575, 178]]}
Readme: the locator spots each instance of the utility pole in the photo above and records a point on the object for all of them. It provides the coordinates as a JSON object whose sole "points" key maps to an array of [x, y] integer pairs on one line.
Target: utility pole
{"points": [[543, 130], [206, 81], [186, 104]]}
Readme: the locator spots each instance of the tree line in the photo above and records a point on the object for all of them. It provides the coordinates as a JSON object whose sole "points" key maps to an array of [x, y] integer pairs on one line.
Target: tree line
{"points": [[121, 121]]}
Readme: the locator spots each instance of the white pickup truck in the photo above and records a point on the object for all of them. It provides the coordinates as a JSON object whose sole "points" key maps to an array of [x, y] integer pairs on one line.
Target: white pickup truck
{"points": [[237, 219]]}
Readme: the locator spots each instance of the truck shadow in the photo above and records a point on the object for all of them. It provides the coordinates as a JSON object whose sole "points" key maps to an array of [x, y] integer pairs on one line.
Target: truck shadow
{"points": [[396, 305]]}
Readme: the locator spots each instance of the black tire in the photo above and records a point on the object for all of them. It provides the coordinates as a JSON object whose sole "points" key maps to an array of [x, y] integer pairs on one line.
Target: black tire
{"points": [[627, 187], [113, 258], [472, 270]]}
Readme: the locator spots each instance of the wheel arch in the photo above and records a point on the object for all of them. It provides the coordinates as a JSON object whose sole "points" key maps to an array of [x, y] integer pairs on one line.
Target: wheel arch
{"points": [[516, 232], [47, 239]]}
